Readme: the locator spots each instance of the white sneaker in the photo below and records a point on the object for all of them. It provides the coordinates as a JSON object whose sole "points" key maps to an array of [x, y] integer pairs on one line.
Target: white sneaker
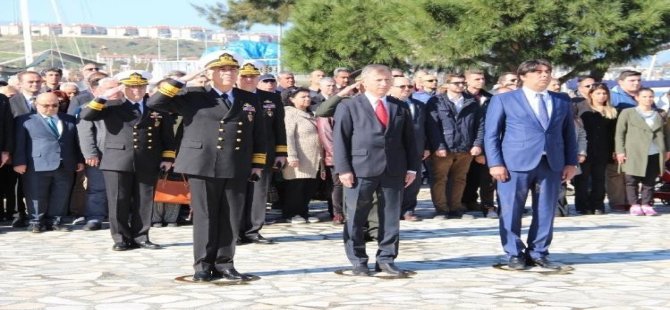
{"points": [[313, 219], [298, 220], [79, 221]]}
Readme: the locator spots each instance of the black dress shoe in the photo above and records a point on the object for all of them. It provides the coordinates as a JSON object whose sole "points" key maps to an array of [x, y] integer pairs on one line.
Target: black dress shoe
{"points": [[360, 270], [202, 276], [231, 274], [35, 228], [261, 240], [543, 262], [148, 245], [121, 246], [389, 268], [517, 263], [19, 222]]}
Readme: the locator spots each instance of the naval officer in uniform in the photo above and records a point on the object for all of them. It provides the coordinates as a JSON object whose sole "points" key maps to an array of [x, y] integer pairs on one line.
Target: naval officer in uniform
{"points": [[223, 147], [139, 141], [273, 116]]}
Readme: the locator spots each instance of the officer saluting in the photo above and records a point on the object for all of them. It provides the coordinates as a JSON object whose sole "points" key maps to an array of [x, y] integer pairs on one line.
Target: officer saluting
{"points": [[222, 148], [275, 132], [138, 142]]}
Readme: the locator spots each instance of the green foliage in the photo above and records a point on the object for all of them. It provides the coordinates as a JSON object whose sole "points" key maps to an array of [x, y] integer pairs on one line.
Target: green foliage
{"points": [[584, 35], [242, 14], [344, 33]]}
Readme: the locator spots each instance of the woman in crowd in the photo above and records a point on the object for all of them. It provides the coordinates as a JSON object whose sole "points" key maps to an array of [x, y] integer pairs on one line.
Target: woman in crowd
{"points": [[640, 145], [598, 117], [304, 156]]}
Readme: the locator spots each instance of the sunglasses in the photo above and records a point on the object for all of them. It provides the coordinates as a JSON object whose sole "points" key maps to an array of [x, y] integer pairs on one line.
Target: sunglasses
{"points": [[457, 83], [403, 86], [269, 81]]}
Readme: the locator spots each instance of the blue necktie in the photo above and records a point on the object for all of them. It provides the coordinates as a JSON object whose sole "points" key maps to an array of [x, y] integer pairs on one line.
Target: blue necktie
{"points": [[543, 115], [52, 125]]}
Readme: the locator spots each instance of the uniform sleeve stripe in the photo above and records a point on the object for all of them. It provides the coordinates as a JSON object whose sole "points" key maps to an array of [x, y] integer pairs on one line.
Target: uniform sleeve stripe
{"points": [[258, 158], [169, 154], [93, 105], [169, 90], [281, 149]]}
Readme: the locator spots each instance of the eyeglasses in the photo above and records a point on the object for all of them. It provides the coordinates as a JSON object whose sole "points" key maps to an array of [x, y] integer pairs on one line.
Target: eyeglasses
{"points": [[269, 81], [403, 86], [431, 81], [53, 106], [457, 83]]}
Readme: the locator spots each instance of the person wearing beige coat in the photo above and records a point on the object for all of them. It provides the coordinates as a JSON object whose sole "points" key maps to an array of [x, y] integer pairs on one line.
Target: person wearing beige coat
{"points": [[641, 144], [304, 159]]}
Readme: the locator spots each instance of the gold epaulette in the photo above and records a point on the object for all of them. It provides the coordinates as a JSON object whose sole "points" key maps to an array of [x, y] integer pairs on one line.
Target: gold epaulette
{"points": [[169, 154], [94, 105], [258, 158], [169, 90]]}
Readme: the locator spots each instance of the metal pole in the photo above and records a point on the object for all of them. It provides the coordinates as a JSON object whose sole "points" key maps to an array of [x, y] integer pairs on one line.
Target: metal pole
{"points": [[27, 40]]}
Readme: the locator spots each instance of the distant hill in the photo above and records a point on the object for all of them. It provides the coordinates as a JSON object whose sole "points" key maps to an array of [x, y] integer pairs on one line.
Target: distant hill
{"points": [[11, 47]]}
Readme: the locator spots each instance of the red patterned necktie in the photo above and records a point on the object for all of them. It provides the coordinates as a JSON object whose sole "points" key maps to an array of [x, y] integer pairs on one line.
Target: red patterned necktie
{"points": [[382, 116]]}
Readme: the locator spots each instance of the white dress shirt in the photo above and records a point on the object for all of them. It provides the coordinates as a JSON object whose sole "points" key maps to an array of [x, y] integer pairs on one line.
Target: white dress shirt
{"points": [[535, 103]]}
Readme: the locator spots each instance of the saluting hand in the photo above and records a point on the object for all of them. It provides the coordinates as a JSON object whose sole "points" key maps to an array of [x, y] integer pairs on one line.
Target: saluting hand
{"points": [[192, 75]]}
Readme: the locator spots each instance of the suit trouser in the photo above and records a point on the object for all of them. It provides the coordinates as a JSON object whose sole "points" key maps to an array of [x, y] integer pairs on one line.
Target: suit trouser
{"points": [[336, 193], [643, 185], [78, 195], [479, 177], [130, 197], [255, 205], [12, 187], [593, 176], [217, 211], [449, 175], [513, 194], [616, 186], [96, 194], [301, 193], [48, 195], [358, 200]]}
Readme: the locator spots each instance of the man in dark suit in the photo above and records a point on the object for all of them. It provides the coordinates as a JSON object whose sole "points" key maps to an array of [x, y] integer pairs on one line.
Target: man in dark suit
{"points": [[374, 151], [402, 89], [253, 216], [47, 155], [7, 190], [222, 149], [20, 104], [530, 143], [138, 141]]}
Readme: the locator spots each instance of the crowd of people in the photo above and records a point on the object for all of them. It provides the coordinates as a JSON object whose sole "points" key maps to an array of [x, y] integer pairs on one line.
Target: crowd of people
{"points": [[92, 150]]}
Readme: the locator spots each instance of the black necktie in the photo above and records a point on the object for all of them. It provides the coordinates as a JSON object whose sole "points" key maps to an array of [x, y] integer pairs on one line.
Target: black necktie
{"points": [[226, 101]]}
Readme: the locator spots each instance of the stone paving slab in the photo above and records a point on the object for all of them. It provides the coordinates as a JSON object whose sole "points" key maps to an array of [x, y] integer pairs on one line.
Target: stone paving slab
{"points": [[620, 262]]}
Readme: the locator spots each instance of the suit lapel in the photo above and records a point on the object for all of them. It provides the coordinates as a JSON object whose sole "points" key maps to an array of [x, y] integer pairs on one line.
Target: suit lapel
{"points": [[237, 105], [525, 105], [392, 110], [369, 111]]}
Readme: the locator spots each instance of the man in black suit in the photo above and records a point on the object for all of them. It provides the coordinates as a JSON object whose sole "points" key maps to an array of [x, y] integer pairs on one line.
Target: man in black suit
{"points": [[374, 151], [253, 217], [222, 148], [7, 190], [138, 141], [402, 89], [47, 155], [20, 104]]}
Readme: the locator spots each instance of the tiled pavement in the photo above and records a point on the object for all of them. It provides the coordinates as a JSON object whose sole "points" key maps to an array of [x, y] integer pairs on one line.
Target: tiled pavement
{"points": [[620, 262]]}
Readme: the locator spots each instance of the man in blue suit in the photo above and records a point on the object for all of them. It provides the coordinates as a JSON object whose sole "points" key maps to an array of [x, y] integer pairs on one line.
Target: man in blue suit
{"points": [[530, 143], [47, 154], [374, 153]]}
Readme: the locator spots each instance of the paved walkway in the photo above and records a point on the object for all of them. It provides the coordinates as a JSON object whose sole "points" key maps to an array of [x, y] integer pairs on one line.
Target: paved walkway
{"points": [[620, 262]]}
